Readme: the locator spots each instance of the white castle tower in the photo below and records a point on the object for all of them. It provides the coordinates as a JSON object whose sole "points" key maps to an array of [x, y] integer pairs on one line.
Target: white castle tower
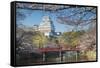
{"points": [[47, 26]]}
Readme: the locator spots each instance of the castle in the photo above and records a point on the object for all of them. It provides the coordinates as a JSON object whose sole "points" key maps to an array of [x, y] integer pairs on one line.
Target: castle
{"points": [[46, 26]]}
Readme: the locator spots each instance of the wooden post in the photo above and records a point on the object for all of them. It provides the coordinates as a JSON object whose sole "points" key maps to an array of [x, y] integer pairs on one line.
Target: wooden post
{"points": [[61, 56], [44, 57], [76, 55]]}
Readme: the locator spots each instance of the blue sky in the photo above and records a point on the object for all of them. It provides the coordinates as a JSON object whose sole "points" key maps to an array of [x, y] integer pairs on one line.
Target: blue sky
{"points": [[35, 18]]}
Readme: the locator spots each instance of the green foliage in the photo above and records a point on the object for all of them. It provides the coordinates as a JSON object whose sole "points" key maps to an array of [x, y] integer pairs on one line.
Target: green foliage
{"points": [[39, 39], [88, 55], [91, 55], [72, 38]]}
